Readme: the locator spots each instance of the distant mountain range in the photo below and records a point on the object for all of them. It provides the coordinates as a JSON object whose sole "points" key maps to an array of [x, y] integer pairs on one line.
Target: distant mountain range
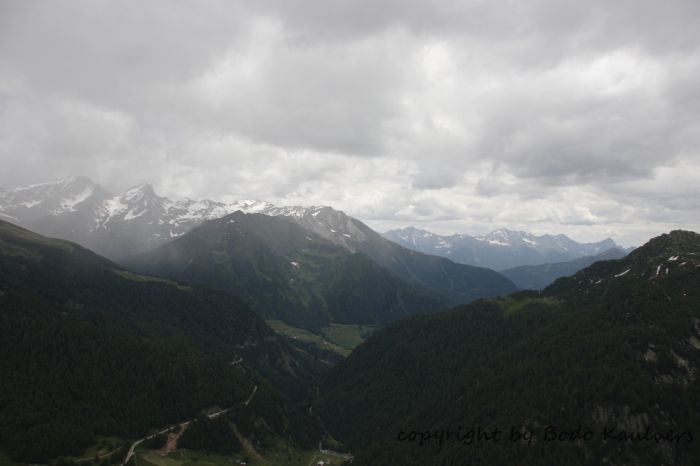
{"points": [[500, 249], [119, 226], [613, 350]]}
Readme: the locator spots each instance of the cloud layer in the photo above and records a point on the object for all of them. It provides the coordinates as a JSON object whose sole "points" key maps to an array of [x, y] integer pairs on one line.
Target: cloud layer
{"points": [[551, 116]]}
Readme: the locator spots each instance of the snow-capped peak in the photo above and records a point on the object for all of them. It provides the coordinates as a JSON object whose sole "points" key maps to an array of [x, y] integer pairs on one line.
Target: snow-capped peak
{"points": [[250, 206], [139, 191], [61, 183], [51, 198], [503, 237]]}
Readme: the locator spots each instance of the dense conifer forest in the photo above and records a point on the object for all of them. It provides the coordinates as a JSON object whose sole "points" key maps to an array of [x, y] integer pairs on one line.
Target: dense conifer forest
{"points": [[616, 346], [91, 349]]}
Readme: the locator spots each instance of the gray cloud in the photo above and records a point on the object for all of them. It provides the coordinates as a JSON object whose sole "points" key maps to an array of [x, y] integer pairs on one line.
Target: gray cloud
{"points": [[547, 115]]}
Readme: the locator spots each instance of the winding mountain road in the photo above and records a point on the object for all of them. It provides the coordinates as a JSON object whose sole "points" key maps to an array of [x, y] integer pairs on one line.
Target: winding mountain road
{"points": [[213, 415]]}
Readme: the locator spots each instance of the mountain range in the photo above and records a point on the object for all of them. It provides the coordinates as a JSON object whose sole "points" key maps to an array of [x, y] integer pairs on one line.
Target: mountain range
{"points": [[119, 226], [307, 266], [499, 250], [115, 226]]}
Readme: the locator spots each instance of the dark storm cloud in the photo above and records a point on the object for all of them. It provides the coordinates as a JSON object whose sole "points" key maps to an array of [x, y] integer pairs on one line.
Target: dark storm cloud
{"points": [[453, 114]]}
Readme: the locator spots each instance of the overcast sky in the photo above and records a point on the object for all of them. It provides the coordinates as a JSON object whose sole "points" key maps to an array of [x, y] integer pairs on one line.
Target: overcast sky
{"points": [[552, 116]]}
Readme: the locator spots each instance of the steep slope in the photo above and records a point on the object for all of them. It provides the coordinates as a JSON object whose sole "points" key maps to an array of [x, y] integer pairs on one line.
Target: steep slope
{"points": [[461, 283], [536, 277], [295, 274], [88, 348], [613, 350], [500, 249]]}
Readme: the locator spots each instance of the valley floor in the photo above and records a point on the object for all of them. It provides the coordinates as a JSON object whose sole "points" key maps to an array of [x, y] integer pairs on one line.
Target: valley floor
{"points": [[341, 339]]}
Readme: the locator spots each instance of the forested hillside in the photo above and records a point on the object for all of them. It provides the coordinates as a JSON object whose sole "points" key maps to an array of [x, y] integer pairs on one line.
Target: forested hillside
{"points": [[87, 348], [615, 349]]}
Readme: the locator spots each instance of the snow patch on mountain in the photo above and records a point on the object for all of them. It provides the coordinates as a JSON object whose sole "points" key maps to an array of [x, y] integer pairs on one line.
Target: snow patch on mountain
{"points": [[69, 203], [113, 207]]}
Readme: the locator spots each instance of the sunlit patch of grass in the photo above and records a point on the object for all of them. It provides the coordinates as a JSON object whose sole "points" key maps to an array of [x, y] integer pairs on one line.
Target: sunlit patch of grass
{"points": [[306, 336], [510, 306], [147, 278], [347, 336]]}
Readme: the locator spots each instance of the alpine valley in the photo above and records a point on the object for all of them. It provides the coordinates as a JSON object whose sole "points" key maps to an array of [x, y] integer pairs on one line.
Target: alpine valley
{"points": [[141, 330]]}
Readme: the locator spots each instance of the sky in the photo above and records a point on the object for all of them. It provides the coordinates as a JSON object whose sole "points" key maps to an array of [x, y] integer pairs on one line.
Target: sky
{"points": [[548, 116]]}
